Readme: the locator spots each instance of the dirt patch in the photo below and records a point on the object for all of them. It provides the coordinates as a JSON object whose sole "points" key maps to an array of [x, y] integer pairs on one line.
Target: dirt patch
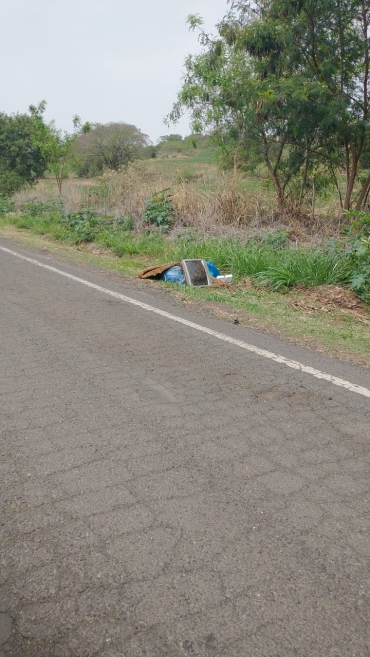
{"points": [[331, 297]]}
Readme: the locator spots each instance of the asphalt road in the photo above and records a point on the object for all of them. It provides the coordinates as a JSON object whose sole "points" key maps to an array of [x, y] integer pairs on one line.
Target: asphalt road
{"points": [[166, 494]]}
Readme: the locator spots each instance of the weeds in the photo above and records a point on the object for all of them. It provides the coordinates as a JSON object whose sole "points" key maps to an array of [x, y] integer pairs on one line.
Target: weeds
{"points": [[358, 249], [309, 267], [203, 198], [159, 210], [36, 208], [130, 225], [6, 205], [84, 224], [269, 260]]}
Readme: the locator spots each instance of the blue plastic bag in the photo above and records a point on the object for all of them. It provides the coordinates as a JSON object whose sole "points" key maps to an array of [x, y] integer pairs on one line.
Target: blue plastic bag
{"points": [[213, 269], [174, 275]]}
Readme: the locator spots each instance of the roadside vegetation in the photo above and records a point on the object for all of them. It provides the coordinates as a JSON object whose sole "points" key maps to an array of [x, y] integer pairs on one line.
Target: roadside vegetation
{"points": [[157, 229]]}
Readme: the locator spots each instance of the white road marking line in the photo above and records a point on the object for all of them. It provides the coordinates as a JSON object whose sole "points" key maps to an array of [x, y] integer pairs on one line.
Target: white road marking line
{"points": [[342, 383]]}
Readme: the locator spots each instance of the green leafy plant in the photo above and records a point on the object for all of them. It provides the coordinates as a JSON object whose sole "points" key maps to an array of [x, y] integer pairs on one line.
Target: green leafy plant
{"points": [[358, 249], [159, 210], [11, 182], [125, 223], [85, 224], [6, 205], [35, 208]]}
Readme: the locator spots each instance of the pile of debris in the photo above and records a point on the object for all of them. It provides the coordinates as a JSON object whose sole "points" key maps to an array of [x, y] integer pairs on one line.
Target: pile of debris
{"points": [[188, 272]]}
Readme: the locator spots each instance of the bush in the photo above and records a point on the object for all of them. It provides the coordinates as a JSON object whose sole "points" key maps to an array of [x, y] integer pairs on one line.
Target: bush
{"points": [[35, 208], [159, 210], [358, 249], [21, 160], [10, 182], [6, 205], [188, 176], [125, 223], [85, 224]]}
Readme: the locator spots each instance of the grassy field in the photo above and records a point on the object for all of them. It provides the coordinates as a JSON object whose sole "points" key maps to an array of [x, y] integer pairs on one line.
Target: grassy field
{"points": [[203, 196]]}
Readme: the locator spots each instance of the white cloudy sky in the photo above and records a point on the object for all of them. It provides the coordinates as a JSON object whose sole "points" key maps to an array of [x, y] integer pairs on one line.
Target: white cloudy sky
{"points": [[105, 60]]}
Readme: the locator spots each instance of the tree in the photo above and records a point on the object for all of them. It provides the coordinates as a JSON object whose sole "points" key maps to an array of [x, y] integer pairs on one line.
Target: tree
{"points": [[21, 160], [329, 47], [56, 145], [286, 82], [110, 146], [172, 137]]}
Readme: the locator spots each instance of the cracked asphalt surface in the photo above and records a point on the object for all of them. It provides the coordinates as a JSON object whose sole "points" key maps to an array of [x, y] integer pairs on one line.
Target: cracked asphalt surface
{"points": [[168, 495]]}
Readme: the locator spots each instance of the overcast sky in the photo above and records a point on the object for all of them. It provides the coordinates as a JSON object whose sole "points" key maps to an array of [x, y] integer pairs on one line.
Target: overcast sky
{"points": [[105, 60]]}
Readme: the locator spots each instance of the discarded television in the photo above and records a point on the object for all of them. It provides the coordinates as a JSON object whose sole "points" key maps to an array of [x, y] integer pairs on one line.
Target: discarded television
{"points": [[196, 272]]}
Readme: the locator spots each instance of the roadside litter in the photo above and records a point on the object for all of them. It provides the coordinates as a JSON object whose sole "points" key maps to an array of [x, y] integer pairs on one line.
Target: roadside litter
{"points": [[213, 270], [174, 275], [193, 272]]}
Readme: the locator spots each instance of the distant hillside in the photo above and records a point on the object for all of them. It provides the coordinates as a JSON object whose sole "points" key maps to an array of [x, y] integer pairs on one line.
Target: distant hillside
{"points": [[195, 148]]}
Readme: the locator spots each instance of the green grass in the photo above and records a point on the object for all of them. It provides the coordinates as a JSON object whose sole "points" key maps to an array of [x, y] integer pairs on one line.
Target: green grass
{"points": [[268, 265], [176, 149], [269, 261], [203, 156]]}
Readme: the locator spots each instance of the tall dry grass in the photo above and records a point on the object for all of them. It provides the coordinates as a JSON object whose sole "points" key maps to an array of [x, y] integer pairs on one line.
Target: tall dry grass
{"points": [[212, 201], [202, 198]]}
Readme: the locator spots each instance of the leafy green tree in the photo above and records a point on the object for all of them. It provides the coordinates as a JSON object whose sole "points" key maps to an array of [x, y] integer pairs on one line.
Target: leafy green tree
{"points": [[327, 43], [286, 82], [21, 160], [229, 95], [110, 146], [172, 137], [56, 145]]}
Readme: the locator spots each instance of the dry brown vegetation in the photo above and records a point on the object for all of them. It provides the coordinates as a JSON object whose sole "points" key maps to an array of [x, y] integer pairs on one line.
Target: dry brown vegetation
{"points": [[203, 197]]}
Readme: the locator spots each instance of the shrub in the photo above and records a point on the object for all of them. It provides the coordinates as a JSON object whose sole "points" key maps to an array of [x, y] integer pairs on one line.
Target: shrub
{"points": [[358, 249], [188, 176], [159, 210], [6, 205], [125, 223], [35, 208], [10, 182], [85, 224]]}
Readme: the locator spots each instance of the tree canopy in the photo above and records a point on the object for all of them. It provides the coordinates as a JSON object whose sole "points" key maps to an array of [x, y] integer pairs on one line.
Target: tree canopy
{"points": [[29, 147], [286, 83], [56, 145], [109, 146], [21, 158]]}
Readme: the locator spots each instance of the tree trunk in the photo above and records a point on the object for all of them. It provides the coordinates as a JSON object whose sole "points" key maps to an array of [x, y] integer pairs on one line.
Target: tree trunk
{"points": [[280, 196], [363, 194], [59, 183], [313, 199], [304, 181], [352, 158], [349, 190]]}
